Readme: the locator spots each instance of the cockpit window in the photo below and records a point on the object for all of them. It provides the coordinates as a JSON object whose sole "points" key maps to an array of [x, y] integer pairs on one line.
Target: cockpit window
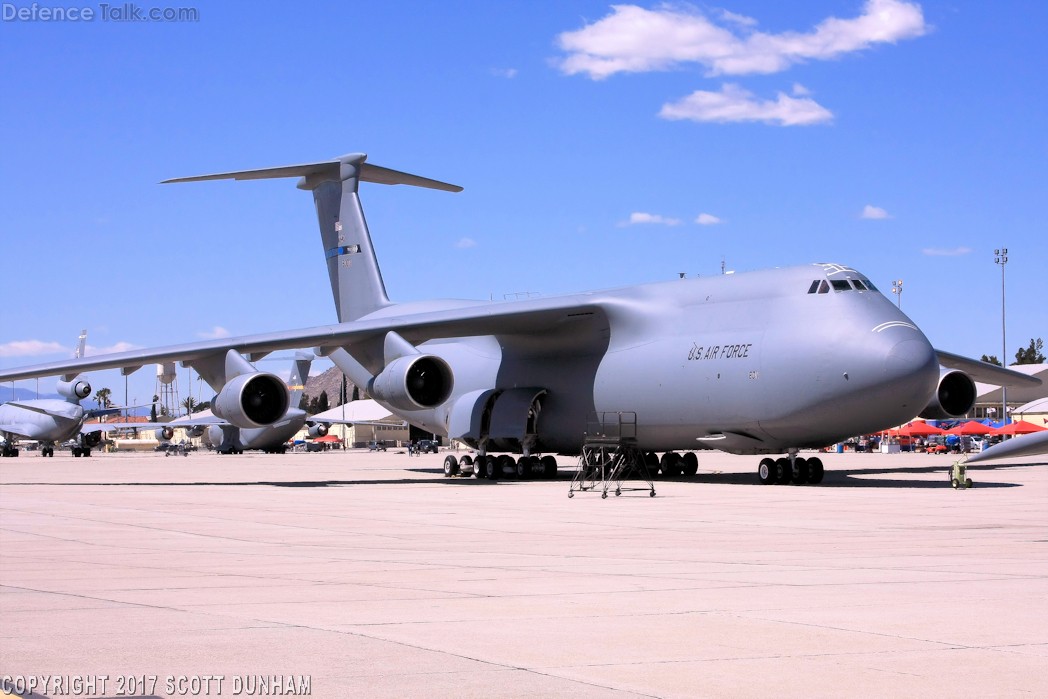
{"points": [[814, 287], [841, 285], [869, 285], [858, 284], [824, 288]]}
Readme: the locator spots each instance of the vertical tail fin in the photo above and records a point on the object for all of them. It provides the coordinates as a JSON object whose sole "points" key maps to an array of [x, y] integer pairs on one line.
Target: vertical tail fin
{"points": [[81, 345], [356, 281], [299, 375]]}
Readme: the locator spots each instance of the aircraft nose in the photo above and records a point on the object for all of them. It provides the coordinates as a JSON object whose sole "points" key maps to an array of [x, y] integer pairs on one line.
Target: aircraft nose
{"points": [[912, 369]]}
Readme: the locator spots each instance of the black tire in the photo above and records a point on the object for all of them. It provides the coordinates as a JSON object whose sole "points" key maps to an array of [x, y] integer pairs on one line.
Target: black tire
{"points": [[490, 468], [549, 466], [523, 467], [670, 464], [815, 470], [800, 471], [783, 471], [691, 464], [504, 463], [766, 472], [451, 466]]}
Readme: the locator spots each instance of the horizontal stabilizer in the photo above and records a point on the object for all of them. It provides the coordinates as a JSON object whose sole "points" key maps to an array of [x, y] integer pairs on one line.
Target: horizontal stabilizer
{"points": [[331, 168], [986, 373], [1027, 445]]}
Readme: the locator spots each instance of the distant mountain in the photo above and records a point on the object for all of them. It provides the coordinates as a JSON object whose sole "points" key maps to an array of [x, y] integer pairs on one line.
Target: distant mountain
{"points": [[331, 382], [6, 394]]}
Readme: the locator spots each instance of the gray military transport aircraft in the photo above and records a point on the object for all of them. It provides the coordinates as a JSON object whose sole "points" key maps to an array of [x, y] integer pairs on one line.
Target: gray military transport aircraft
{"points": [[767, 362]]}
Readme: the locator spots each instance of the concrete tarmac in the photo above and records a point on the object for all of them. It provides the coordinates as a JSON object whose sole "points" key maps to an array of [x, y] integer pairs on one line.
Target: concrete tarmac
{"points": [[372, 575]]}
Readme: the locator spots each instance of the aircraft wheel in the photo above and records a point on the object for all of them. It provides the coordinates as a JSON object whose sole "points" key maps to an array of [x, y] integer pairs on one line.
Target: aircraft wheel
{"points": [[524, 467], [691, 464], [800, 471], [490, 468], [451, 466], [955, 483], [76, 452], [505, 462], [783, 471], [652, 461], [968, 483], [766, 471], [671, 465], [549, 465], [815, 470]]}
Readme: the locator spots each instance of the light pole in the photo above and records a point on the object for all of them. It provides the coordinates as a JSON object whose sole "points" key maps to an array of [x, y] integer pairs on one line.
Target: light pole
{"points": [[897, 290], [1001, 258]]}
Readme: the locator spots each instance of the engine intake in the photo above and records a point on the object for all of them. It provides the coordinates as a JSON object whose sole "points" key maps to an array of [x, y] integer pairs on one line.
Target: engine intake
{"points": [[317, 430], [78, 389], [164, 434], [252, 400], [414, 382], [954, 396]]}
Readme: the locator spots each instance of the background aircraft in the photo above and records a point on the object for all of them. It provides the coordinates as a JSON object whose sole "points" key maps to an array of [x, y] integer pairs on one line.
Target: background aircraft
{"points": [[51, 420], [228, 438], [766, 362]]}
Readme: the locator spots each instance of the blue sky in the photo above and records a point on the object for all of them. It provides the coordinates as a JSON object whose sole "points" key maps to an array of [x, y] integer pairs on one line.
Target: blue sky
{"points": [[905, 139]]}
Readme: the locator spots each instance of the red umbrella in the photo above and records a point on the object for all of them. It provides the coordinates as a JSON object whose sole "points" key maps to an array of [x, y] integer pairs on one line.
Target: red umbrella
{"points": [[920, 429], [1019, 427], [971, 427]]}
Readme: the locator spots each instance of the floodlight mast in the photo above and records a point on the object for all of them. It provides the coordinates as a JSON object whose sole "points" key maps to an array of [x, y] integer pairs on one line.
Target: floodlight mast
{"points": [[1001, 258]]}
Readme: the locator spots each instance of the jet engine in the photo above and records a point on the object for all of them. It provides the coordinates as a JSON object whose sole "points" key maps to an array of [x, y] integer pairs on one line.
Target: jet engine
{"points": [[195, 431], [164, 434], [318, 430], [91, 439], [954, 396], [77, 389], [413, 382], [252, 400], [215, 436]]}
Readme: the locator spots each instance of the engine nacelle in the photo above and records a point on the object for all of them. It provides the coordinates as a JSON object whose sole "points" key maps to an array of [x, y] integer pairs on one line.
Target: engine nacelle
{"points": [[252, 400], [91, 439], [195, 431], [215, 435], [77, 389], [164, 434], [317, 430], [954, 396], [413, 382]]}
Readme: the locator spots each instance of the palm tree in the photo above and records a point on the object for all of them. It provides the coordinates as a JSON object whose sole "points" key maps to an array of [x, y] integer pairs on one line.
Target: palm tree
{"points": [[189, 403], [102, 398]]}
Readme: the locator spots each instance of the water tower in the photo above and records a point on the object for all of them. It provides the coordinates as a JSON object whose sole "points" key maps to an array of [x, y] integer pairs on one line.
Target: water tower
{"points": [[167, 391]]}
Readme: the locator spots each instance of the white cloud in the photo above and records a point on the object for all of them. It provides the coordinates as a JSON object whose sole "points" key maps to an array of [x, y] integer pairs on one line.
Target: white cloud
{"points": [[641, 218], [635, 40], [464, 243], [734, 103], [214, 333], [800, 91], [504, 72], [946, 252], [874, 213], [32, 348], [707, 220]]}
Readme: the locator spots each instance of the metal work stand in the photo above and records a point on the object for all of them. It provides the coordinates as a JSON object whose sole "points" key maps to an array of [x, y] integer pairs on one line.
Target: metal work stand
{"points": [[610, 456]]}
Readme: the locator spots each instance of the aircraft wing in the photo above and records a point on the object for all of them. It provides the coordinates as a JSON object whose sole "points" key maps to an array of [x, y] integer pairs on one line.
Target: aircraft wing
{"points": [[531, 318], [1027, 445], [986, 373]]}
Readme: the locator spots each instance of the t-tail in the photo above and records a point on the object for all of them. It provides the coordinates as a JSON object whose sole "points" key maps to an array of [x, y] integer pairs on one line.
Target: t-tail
{"points": [[356, 281]]}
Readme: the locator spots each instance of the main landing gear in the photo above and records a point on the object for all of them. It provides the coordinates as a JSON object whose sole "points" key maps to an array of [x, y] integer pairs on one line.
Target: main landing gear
{"points": [[792, 469], [502, 466]]}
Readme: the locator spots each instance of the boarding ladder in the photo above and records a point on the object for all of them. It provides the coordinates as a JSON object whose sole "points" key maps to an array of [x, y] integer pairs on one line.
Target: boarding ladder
{"points": [[610, 456]]}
